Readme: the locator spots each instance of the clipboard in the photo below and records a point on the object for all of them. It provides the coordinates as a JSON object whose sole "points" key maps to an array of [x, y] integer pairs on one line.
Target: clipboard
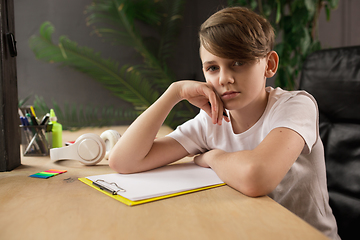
{"points": [[165, 182]]}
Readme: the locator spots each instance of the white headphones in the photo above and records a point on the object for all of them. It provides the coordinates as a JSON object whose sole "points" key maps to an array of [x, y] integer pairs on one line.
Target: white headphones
{"points": [[89, 148]]}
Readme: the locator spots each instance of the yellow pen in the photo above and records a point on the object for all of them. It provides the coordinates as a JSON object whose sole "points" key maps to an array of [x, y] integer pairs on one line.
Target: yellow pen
{"points": [[32, 111], [34, 115]]}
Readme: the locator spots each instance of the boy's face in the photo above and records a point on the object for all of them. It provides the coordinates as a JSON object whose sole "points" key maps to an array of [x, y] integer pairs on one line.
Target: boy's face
{"points": [[239, 85]]}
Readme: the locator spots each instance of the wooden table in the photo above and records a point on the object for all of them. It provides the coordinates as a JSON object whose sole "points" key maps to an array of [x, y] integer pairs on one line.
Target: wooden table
{"points": [[62, 207]]}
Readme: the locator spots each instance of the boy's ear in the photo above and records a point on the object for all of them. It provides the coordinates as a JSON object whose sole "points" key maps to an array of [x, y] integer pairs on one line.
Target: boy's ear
{"points": [[272, 64]]}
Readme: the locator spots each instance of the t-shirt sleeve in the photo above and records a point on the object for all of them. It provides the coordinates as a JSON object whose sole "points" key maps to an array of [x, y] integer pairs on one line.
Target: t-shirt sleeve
{"points": [[191, 134], [299, 113]]}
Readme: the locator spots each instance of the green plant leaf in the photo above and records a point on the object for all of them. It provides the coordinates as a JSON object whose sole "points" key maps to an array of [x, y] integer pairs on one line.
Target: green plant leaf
{"points": [[333, 3], [310, 5], [119, 17], [169, 28], [74, 117], [278, 12], [305, 41], [328, 12], [125, 82], [23, 101], [253, 4]]}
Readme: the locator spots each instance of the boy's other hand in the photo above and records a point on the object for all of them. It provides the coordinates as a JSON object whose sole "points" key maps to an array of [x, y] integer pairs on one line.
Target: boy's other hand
{"points": [[204, 159]]}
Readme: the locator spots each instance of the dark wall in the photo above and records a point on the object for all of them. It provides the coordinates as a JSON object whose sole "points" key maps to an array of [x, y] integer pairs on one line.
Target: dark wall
{"points": [[50, 81]]}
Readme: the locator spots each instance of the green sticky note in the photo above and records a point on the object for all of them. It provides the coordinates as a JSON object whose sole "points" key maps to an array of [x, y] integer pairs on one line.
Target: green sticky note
{"points": [[43, 175], [47, 173]]}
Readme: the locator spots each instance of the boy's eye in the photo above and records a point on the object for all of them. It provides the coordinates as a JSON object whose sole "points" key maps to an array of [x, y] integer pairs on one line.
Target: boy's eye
{"points": [[237, 63], [212, 68]]}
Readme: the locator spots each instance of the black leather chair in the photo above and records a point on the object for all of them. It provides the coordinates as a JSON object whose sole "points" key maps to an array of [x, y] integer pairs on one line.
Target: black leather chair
{"points": [[333, 77]]}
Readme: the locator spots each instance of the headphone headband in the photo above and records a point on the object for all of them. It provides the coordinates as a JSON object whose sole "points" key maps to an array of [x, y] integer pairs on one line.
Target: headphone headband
{"points": [[89, 148]]}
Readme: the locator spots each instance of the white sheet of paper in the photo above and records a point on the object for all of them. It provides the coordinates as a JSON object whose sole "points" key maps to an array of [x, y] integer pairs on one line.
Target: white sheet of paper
{"points": [[161, 181]]}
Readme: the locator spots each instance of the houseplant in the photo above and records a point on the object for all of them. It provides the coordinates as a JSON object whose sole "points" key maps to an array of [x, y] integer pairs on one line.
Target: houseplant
{"points": [[117, 21], [296, 26]]}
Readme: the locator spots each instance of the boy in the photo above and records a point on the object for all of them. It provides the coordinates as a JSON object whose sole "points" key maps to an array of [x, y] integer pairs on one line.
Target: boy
{"points": [[259, 140]]}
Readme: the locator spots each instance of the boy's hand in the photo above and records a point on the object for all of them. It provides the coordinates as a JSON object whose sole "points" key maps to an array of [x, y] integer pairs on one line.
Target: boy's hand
{"points": [[203, 159], [200, 161], [202, 95]]}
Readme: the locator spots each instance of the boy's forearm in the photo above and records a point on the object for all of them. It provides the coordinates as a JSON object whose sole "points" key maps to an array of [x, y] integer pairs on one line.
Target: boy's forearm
{"points": [[258, 171], [138, 139], [238, 170]]}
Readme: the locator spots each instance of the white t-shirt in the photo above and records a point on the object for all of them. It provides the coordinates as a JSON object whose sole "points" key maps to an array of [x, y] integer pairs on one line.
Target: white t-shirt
{"points": [[303, 190]]}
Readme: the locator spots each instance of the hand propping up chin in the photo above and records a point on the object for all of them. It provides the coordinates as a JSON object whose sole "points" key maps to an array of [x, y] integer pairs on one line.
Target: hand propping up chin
{"points": [[202, 95]]}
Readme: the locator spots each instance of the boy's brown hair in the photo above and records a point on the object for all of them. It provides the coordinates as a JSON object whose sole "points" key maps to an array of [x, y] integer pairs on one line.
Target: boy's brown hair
{"points": [[237, 33]]}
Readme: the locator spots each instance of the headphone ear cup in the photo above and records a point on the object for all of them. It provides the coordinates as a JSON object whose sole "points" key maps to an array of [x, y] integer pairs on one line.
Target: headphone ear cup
{"points": [[110, 137], [90, 148]]}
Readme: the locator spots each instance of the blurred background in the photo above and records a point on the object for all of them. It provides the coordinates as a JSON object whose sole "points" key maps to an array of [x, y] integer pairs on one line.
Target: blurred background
{"points": [[47, 83]]}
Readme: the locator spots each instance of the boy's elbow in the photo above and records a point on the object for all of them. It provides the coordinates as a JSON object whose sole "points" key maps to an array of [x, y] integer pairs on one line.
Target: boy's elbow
{"points": [[254, 192], [251, 190], [113, 164], [116, 165]]}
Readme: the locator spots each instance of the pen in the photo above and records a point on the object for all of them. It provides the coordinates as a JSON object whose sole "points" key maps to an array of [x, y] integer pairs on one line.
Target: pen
{"points": [[28, 118], [26, 130], [34, 122], [45, 119], [33, 114], [32, 111], [29, 135], [31, 143], [20, 113], [37, 132]]}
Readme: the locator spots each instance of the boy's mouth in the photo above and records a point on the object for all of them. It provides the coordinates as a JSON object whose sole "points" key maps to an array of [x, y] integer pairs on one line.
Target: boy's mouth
{"points": [[229, 94]]}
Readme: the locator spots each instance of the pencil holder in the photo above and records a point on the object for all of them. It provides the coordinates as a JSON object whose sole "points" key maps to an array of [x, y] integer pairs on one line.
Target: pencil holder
{"points": [[35, 140]]}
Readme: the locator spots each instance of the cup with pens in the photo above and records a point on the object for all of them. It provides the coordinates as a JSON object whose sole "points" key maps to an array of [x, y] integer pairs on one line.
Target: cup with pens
{"points": [[36, 137]]}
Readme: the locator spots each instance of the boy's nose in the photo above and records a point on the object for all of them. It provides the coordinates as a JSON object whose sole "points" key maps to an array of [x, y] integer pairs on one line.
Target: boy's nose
{"points": [[226, 78]]}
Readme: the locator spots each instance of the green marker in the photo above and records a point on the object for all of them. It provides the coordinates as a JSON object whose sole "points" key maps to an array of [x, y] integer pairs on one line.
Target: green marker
{"points": [[56, 130]]}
